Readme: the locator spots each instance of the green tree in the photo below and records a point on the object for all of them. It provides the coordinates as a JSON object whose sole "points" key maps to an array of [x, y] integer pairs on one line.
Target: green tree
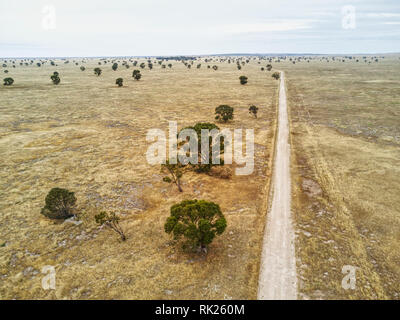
{"points": [[253, 110], [119, 82], [111, 221], [82, 68], [198, 221], [115, 66], [224, 113], [243, 80], [55, 77], [59, 204], [142, 65], [198, 127], [8, 81], [276, 75], [175, 171], [97, 71], [136, 75]]}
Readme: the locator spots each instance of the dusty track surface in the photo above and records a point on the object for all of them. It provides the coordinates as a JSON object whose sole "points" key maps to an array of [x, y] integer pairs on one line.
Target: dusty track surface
{"points": [[278, 280]]}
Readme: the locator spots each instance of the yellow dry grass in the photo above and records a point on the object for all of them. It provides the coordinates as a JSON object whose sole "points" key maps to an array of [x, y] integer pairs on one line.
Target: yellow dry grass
{"points": [[346, 176], [88, 135]]}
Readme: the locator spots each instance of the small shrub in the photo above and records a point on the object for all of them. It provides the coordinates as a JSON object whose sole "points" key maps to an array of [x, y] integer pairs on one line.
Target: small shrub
{"points": [[175, 171], [136, 75], [8, 81], [253, 110], [97, 71], [115, 66], [198, 221], [276, 75], [119, 82], [224, 113], [82, 68], [59, 204], [111, 221], [243, 80], [55, 78]]}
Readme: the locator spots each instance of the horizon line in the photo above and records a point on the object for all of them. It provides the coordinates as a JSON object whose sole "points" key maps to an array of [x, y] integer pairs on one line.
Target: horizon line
{"points": [[202, 55]]}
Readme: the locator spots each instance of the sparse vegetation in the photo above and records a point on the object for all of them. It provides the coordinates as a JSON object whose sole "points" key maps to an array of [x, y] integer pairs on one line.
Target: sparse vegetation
{"points": [[119, 82]]}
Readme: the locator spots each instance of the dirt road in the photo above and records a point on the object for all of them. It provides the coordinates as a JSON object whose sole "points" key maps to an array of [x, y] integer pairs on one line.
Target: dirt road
{"points": [[278, 280]]}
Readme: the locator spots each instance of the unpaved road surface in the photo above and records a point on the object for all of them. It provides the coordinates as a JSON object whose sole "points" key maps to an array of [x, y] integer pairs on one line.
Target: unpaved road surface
{"points": [[278, 279]]}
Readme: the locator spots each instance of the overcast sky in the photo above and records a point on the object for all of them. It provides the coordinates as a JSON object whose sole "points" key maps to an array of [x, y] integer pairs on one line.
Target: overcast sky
{"points": [[30, 28]]}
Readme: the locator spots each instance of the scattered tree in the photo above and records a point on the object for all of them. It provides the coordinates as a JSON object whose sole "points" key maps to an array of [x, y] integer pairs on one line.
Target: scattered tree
{"points": [[136, 75], [8, 81], [276, 75], [212, 144], [243, 80], [97, 71], [175, 171], [253, 110], [119, 82], [198, 221], [55, 78], [111, 221], [59, 204], [224, 113], [115, 66], [82, 68]]}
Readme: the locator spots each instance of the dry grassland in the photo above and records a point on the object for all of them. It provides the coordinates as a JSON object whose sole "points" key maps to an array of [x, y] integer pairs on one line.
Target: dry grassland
{"points": [[346, 176], [88, 135]]}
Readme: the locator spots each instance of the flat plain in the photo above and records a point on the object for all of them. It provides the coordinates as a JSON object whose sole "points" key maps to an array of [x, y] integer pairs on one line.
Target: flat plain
{"points": [[89, 136], [345, 125]]}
